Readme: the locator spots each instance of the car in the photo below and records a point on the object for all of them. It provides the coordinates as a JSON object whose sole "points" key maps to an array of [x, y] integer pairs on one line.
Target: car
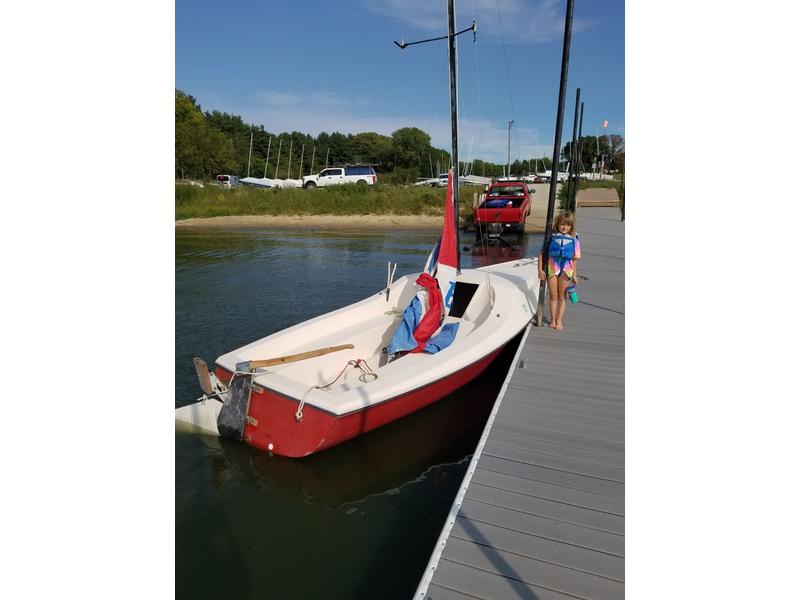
{"points": [[534, 179], [228, 181], [504, 208], [358, 174]]}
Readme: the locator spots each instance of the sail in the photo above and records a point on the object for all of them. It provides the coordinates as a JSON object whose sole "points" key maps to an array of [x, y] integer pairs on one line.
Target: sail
{"points": [[448, 249]]}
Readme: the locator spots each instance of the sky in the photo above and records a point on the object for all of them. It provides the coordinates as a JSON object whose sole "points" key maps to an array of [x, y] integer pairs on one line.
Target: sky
{"points": [[317, 66]]}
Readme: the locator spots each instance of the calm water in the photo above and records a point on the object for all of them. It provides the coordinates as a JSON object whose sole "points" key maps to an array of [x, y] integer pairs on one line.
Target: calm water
{"points": [[356, 521]]}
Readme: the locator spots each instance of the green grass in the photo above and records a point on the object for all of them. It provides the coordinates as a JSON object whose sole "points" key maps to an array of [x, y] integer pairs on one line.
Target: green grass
{"points": [[212, 201]]}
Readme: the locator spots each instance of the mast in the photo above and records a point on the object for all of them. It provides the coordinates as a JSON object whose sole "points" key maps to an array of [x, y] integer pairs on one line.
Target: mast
{"points": [[266, 162], [508, 171], [289, 168], [571, 173], [277, 160], [451, 45], [578, 163], [302, 151], [250, 154], [551, 203]]}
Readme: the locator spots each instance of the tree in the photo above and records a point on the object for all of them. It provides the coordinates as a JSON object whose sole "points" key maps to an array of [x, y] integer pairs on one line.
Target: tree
{"points": [[372, 147], [411, 146], [200, 150], [595, 149], [341, 148]]}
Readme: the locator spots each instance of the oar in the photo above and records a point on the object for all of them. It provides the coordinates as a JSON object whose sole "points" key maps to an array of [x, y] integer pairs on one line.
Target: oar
{"points": [[281, 360]]}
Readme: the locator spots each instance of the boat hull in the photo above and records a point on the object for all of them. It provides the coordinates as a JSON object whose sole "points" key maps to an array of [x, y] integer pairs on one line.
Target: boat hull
{"points": [[272, 425]]}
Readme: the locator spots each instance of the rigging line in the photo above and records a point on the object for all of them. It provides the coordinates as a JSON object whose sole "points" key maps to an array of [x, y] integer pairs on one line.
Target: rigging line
{"points": [[436, 97], [463, 103], [477, 70], [477, 81], [505, 57]]}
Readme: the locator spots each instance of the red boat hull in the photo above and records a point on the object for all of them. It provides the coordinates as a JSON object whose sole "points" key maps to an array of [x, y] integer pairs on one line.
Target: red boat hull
{"points": [[272, 426]]}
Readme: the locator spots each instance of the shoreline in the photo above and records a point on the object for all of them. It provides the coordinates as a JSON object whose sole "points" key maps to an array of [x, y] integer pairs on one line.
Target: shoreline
{"points": [[355, 222], [535, 223], [334, 222]]}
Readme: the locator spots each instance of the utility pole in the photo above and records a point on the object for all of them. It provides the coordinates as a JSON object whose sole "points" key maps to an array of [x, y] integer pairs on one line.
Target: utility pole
{"points": [[556, 152]]}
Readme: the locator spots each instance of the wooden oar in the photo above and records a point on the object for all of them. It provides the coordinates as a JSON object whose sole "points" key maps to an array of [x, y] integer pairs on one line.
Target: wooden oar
{"points": [[271, 362]]}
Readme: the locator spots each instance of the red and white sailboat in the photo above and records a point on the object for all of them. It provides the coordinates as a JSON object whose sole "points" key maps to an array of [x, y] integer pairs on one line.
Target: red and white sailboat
{"points": [[340, 374]]}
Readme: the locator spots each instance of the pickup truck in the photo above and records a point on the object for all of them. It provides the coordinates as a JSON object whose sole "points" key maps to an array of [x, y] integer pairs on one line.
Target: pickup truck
{"points": [[504, 208], [358, 174]]}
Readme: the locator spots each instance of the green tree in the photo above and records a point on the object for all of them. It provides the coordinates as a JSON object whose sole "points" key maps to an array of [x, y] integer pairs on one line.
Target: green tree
{"points": [[411, 147], [341, 148], [372, 147], [200, 150]]}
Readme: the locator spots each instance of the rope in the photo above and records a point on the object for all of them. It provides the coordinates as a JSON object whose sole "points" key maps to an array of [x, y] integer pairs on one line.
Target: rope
{"points": [[367, 375]]}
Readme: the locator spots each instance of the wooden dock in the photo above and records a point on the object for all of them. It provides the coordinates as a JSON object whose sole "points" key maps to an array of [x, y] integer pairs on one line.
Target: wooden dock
{"points": [[541, 512], [596, 197]]}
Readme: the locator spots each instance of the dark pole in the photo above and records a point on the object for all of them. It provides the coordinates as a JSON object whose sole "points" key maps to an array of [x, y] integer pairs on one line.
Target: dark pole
{"points": [[570, 182], [556, 152], [574, 205], [451, 43]]}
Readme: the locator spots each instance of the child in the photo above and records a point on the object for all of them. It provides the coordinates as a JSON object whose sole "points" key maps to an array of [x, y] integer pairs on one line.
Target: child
{"points": [[562, 254]]}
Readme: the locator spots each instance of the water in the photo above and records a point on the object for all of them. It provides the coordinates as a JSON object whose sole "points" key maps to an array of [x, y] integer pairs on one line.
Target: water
{"points": [[356, 521]]}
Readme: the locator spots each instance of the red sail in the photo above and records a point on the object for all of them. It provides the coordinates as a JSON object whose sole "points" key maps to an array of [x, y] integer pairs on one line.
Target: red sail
{"points": [[448, 252]]}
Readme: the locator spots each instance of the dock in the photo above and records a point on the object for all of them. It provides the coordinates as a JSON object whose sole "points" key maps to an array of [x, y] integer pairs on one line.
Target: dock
{"points": [[596, 197], [541, 511]]}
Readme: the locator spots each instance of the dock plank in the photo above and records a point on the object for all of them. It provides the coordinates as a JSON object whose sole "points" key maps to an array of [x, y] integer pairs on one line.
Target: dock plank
{"points": [[543, 516]]}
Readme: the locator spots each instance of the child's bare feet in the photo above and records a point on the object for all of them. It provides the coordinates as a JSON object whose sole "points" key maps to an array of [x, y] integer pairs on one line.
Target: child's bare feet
{"points": [[553, 325], [559, 326]]}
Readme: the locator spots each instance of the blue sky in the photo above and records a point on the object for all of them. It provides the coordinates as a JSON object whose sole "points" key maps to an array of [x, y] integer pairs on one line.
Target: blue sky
{"points": [[314, 66]]}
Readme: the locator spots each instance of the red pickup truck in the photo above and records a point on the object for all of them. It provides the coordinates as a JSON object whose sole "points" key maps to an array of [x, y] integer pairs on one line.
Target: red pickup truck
{"points": [[505, 206]]}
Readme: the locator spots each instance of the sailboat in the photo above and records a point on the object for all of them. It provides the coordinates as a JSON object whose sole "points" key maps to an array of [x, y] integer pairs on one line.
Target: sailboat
{"points": [[334, 377]]}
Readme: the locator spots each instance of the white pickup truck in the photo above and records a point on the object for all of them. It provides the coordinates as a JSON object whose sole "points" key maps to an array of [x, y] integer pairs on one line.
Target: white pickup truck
{"points": [[358, 174]]}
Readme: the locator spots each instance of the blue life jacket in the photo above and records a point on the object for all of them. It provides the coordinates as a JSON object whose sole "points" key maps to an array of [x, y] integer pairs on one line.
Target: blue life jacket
{"points": [[561, 248]]}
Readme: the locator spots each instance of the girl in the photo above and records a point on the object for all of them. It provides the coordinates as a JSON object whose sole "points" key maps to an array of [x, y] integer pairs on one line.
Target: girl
{"points": [[562, 254]]}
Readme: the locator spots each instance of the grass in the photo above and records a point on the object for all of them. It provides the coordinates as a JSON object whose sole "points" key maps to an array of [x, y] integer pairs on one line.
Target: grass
{"points": [[212, 201]]}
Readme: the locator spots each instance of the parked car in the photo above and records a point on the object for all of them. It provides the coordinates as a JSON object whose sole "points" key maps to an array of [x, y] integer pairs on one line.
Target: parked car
{"points": [[358, 174], [228, 181], [504, 208]]}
